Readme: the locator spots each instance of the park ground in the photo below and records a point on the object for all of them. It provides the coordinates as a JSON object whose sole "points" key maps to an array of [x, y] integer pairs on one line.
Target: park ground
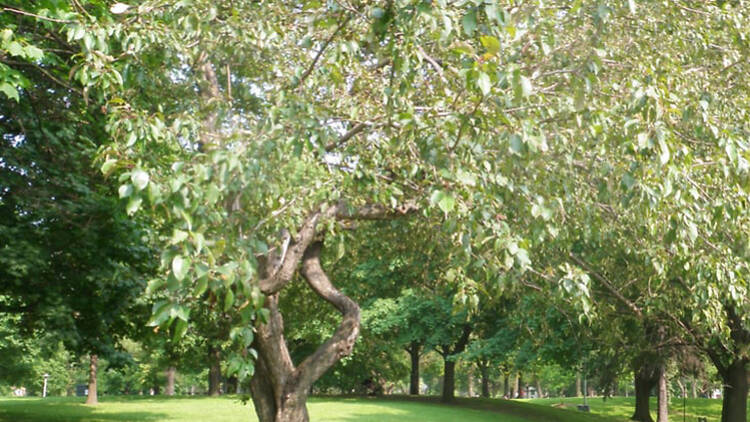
{"points": [[339, 409]]}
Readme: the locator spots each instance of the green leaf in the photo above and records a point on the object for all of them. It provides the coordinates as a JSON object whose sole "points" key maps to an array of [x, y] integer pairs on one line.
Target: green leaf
{"points": [[516, 143], [526, 88], [180, 329], [133, 205], [160, 313], [664, 152], [140, 179], [466, 178], [490, 43], [32, 52], [484, 83], [228, 300], [125, 190], [200, 286], [182, 312], [9, 90], [15, 49], [154, 285], [108, 166], [178, 236], [446, 202], [469, 22], [180, 267]]}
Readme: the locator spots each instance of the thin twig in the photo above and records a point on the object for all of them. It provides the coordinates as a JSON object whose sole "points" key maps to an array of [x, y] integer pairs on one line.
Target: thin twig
{"points": [[310, 68], [23, 12]]}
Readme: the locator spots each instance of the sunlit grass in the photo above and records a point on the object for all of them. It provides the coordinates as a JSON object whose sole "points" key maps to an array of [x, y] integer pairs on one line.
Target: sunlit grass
{"points": [[340, 409], [230, 409]]}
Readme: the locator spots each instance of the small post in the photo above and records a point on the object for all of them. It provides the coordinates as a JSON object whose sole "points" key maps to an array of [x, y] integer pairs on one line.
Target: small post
{"points": [[44, 388], [585, 390]]}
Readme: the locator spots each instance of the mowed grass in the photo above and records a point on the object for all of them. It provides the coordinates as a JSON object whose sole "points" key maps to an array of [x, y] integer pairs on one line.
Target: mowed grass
{"points": [[230, 409], [621, 408]]}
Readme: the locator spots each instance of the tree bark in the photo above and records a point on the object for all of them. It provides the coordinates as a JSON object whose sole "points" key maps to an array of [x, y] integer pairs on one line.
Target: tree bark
{"points": [[485, 369], [506, 385], [470, 382], [693, 389], [521, 393], [214, 371], [279, 390], [539, 392], [449, 380], [644, 382], [449, 373], [732, 367], [662, 401], [414, 351], [92, 398], [734, 400], [578, 385], [170, 373]]}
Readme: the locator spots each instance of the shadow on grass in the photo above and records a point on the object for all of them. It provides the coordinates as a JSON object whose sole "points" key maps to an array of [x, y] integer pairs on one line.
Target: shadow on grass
{"points": [[65, 410], [525, 411]]}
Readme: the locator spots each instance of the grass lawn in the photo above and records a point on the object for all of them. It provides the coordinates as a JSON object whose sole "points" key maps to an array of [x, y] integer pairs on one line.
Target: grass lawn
{"points": [[621, 408], [339, 409], [230, 409]]}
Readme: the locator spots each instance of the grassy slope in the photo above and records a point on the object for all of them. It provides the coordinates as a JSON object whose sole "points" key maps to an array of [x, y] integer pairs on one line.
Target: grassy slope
{"points": [[229, 409]]}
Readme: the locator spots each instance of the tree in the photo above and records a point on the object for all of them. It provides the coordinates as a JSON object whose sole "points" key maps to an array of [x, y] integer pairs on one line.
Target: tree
{"points": [[72, 261], [251, 131]]}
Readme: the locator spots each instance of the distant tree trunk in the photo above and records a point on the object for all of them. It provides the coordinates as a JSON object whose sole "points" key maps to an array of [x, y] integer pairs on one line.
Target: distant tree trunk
{"points": [[521, 392], [506, 385], [662, 400], [92, 398], [449, 372], [230, 386], [485, 370], [214, 371], [449, 380], [579, 392], [644, 382], [693, 389], [170, 373], [470, 382], [539, 392], [414, 350]]}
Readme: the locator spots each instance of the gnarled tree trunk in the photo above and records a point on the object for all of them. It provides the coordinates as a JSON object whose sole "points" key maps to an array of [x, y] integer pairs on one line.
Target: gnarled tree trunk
{"points": [[92, 397], [279, 389]]}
